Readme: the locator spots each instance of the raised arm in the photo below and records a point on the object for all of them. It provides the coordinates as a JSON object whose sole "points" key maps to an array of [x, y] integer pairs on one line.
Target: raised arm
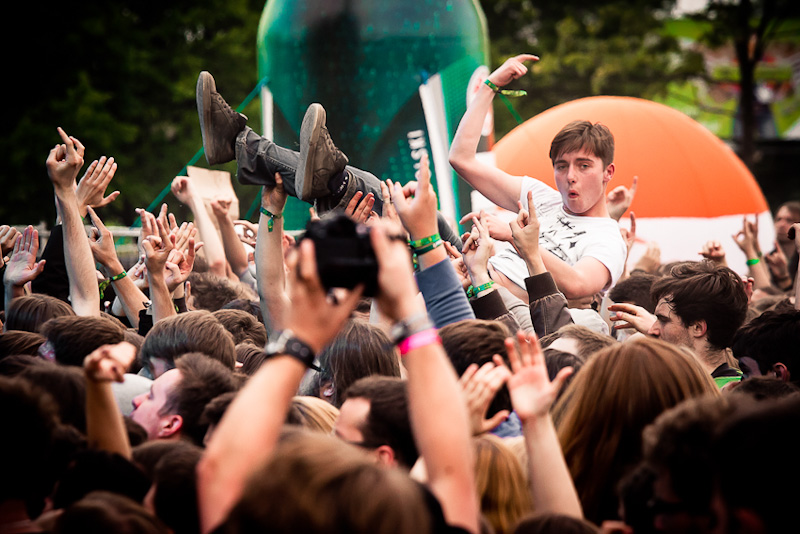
{"points": [[184, 191], [22, 266], [63, 164], [747, 239], [532, 395], [269, 257], [102, 244], [105, 427], [498, 186], [249, 430], [234, 252], [438, 414]]}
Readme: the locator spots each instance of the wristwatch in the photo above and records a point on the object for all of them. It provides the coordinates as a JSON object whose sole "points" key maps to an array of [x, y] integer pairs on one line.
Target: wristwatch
{"points": [[290, 345]]}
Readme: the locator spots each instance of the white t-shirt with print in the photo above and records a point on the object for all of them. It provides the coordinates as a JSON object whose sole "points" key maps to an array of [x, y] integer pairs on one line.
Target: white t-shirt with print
{"points": [[568, 237]]}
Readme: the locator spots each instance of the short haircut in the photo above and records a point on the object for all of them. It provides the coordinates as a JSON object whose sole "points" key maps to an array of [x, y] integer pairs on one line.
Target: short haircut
{"points": [[594, 138], [202, 379], [589, 341], [15, 342], [248, 305], [702, 291], [73, 337], [635, 289], [30, 312], [194, 331], [312, 413], [765, 388], [793, 206], [67, 385], [772, 337], [211, 292], [243, 326], [104, 511], [388, 422], [477, 341], [175, 495]]}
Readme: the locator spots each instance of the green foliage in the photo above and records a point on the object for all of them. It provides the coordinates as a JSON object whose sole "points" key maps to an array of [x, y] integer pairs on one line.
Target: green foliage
{"points": [[121, 78], [601, 48]]}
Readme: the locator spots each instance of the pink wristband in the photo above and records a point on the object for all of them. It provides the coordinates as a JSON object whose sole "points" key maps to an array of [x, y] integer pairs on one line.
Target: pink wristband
{"points": [[418, 340]]}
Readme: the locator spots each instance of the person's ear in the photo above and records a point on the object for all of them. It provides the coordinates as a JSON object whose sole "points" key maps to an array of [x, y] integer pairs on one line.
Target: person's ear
{"points": [[781, 371], [386, 456], [608, 174], [170, 425], [698, 329]]}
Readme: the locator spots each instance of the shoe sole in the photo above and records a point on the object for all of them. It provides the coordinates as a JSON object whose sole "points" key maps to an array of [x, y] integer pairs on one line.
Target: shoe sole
{"points": [[313, 121], [205, 86]]}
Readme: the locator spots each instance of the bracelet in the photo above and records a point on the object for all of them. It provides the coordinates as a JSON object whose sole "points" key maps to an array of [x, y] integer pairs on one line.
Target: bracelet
{"points": [[271, 216], [418, 340], [473, 291], [405, 328], [425, 241], [752, 261], [506, 92], [104, 283], [428, 248]]}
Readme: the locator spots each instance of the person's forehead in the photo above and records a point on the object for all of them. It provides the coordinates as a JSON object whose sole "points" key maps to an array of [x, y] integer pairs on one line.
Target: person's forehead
{"points": [[166, 382], [786, 213], [352, 415], [581, 153]]}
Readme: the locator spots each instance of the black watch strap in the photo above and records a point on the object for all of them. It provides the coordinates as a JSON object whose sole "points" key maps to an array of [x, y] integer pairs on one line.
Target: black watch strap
{"points": [[290, 345]]}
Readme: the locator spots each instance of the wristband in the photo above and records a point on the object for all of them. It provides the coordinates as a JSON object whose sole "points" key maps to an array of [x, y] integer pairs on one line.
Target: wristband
{"points": [[104, 283], [506, 92], [428, 248], [425, 241], [473, 291], [271, 216], [418, 340], [409, 326], [752, 261]]}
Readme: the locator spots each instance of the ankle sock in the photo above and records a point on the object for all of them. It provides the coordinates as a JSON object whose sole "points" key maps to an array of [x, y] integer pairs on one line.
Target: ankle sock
{"points": [[338, 185]]}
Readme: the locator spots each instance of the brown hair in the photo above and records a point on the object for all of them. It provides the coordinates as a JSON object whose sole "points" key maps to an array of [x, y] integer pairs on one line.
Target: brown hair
{"points": [[501, 483], [318, 484], [601, 415], [194, 331], [73, 338], [211, 292], [476, 341], [595, 138], [243, 326], [104, 511], [703, 291], [589, 341], [20, 342], [360, 349], [202, 380], [312, 413], [30, 312]]}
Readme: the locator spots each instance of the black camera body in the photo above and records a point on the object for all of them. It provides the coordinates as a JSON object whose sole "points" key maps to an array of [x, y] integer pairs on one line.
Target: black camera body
{"points": [[345, 257]]}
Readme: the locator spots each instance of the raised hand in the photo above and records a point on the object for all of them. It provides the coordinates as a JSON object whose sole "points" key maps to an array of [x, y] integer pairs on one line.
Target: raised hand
{"points": [[626, 315], [620, 199], [91, 189], [650, 261], [778, 263], [22, 266], [479, 386], [183, 189], [249, 232], [629, 235], [498, 229], [512, 69], [478, 248], [525, 236], [64, 162], [532, 393], [109, 363], [8, 236], [457, 260], [101, 241], [360, 207], [418, 215], [179, 264], [713, 251], [747, 238]]}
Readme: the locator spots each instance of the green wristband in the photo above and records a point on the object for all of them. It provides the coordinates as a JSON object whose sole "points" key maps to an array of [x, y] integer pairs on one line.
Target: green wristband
{"points": [[507, 92], [473, 291], [752, 261], [272, 217], [115, 278], [423, 250], [425, 241]]}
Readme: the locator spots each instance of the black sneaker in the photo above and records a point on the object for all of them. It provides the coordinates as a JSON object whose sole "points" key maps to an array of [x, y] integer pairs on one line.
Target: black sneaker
{"points": [[219, 123], [320, 160]]}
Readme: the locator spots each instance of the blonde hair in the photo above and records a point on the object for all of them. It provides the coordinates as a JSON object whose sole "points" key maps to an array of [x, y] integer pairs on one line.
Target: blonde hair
{"points": [[501, 483], [603, 411], [312, 413]]}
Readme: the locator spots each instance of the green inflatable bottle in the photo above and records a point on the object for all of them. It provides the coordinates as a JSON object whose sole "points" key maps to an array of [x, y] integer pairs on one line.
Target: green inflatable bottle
{"points": [[394, 77]]}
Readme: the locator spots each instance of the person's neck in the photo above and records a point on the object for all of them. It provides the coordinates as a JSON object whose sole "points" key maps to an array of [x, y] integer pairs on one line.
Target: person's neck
{"points": [[709, 357]]}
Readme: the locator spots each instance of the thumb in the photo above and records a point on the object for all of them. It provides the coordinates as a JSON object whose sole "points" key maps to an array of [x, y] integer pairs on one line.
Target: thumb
{"points": [[496, 419]]}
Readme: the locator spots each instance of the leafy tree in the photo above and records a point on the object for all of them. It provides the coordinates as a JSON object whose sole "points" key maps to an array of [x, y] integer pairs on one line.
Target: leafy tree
{"points": [[750, 25], [121, 78], [602, 48]]}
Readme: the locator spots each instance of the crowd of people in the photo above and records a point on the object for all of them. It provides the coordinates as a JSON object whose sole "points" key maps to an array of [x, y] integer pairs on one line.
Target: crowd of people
{"points": [[379, 372]]}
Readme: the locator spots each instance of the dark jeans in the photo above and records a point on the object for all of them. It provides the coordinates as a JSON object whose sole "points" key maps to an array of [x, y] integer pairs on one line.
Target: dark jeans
{"points": [[258, 159]]}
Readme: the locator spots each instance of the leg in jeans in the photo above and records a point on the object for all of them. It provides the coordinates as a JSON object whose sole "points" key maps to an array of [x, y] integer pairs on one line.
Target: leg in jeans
{"points": [[258, 159]]}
